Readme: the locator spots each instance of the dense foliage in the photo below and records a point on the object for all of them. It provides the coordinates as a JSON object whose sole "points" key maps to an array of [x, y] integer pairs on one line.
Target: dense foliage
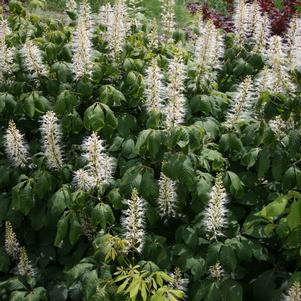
{"points": [[135, 167]]}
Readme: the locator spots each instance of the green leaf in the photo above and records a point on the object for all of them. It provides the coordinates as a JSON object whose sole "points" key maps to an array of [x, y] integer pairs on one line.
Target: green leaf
{"points": [[190, 237], [274, 209], [41, 103], [23, 197], [141, 144], [76, 272], [18, 296], [72, 122], [62, 229], [155, 140], [228, 258], [58, 292], [44, 183], [2, 102], [233, 180], [38, 294], [250, 158], [213, 253], [94, 118], [197, 267], [111, 96], [210, 126], [289, 178], [294, 142], [265, 286], [110, 119], [179, 167], [148, 186], [203, 188], [4, 261], [29, 106], [62, 70], [231, 143], [264, 162], [214, 293], [131, 79], [65, 102], [126, 124], [131, 178], [6, 101], [102, 215], [75, 229], [279, 165], [134, 288], [58, 202], [231, 290], [201, 103], [294, 216], [4, 205], [298, 177], [115, 198]]}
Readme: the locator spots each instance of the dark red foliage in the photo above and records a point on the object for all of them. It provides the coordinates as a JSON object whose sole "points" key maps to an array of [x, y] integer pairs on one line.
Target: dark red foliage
{"points": [[280, 18]]}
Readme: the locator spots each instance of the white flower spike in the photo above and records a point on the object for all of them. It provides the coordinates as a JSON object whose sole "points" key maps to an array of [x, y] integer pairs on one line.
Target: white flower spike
{"points": [[167, 200], [154, 88], [168, 18], [6, 59], [242, 103], [262, 34], [178, 282], [242, 22], [12, 246], [294, 43], [279, 76], [99, 166], [51, 140], [294, 292], [82, 180], [133, 222], [209, 49], [117, 29], [71, 5], [33, 61], [215, 214], [175, 108], [216, 271], [82, 45], [16, 148], [24, 265]]}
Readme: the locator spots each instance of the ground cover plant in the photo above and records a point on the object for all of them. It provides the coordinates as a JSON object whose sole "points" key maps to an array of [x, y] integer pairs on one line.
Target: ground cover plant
{"points": [[150, 8], [139, 162]]}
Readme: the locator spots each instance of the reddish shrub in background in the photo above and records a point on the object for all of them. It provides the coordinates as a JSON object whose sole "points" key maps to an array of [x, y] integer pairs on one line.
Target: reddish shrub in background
{"points": [[280, 18]]}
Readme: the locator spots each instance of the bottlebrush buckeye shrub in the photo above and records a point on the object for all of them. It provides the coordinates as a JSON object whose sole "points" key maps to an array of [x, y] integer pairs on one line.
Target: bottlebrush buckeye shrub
{"points": [[141, 166]]}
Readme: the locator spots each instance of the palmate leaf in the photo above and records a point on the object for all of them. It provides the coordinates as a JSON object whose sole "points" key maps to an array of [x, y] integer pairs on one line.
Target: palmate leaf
{"points": [[75, 228], [234, 182], [94, 118], [150, 141], [102, 215], [231, 291], [167, 294], [180, 167], [294, 216], [274, 209], [23, 197], [37, 294]]}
